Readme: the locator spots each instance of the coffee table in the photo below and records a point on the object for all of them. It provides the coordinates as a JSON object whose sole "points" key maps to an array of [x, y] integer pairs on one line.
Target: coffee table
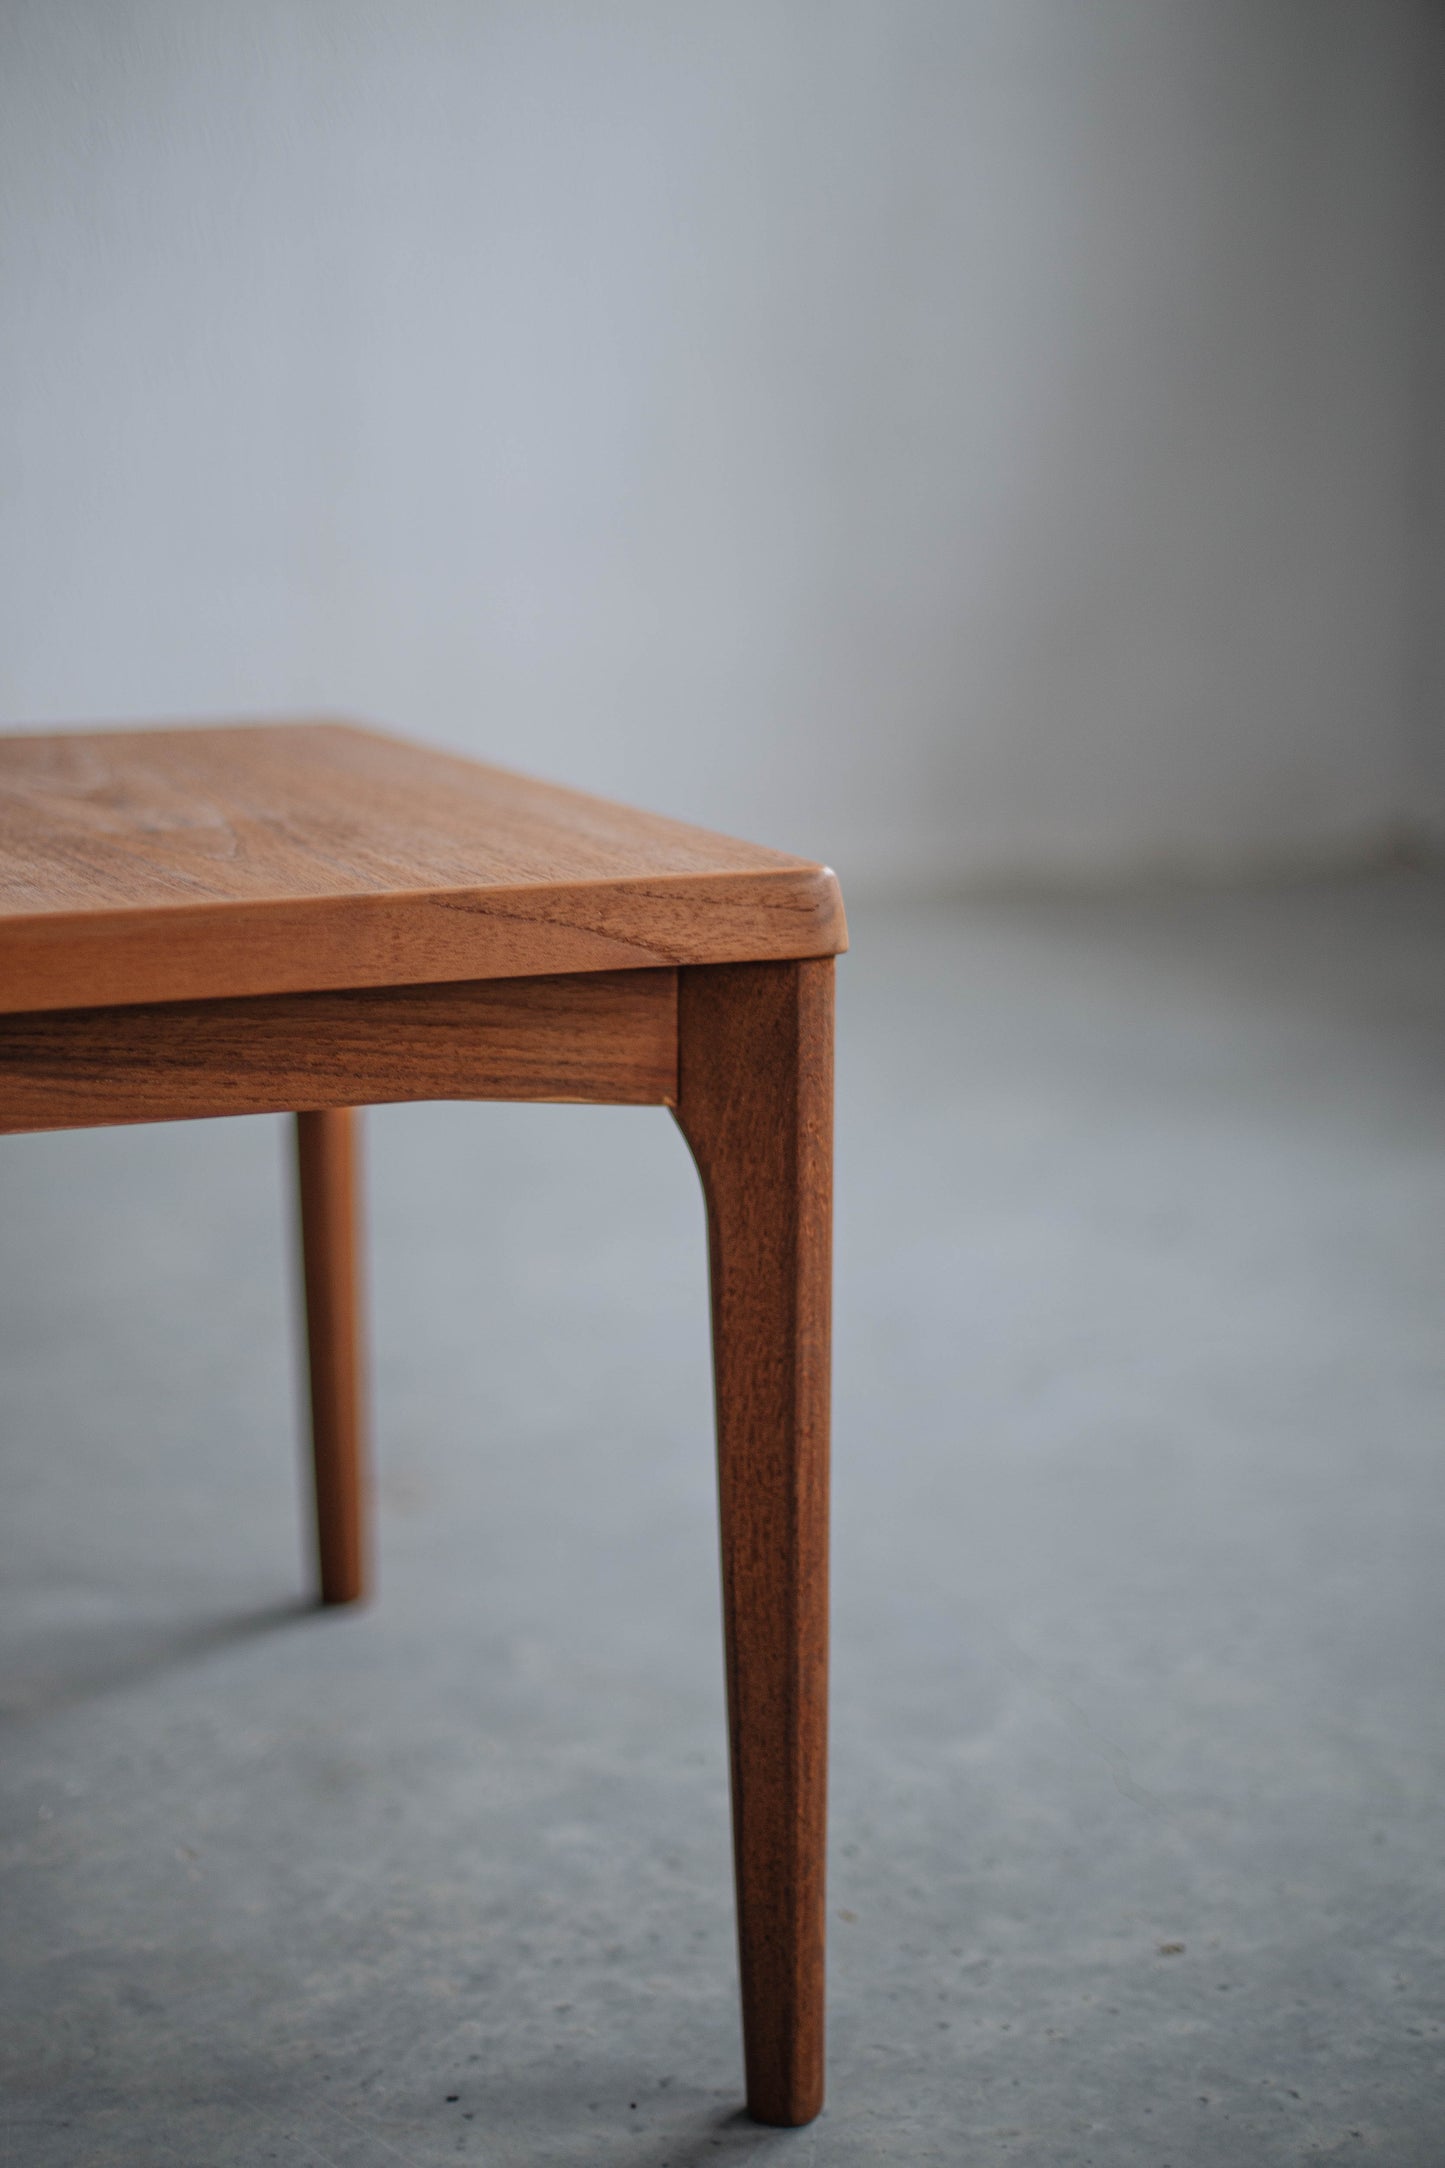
{"points": [[310, 917]]}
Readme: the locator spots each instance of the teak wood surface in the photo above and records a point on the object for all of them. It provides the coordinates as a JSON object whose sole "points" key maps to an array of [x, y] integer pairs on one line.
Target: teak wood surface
{"points": [[606, 1036], [178, 865], [312, 917]]}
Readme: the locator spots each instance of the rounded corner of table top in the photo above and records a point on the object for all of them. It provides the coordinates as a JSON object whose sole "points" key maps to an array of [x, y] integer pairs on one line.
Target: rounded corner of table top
{"points": [[830, 919]]}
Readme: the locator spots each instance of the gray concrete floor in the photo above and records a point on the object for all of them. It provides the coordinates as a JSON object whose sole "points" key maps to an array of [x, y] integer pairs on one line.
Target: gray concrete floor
{"points": [[1139, 1604]]}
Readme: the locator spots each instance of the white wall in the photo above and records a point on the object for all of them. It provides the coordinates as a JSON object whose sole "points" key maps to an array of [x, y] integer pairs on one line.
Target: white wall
{"points": [[957, 437], [1430, 481]]}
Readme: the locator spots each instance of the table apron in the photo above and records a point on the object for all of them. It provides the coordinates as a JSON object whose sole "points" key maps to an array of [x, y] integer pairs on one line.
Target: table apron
{"points": [[601, 1037]]}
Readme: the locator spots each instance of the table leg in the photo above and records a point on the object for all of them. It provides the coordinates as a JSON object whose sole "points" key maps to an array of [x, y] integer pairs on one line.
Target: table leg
{"points": [[755, 1102], [326, 1155]]}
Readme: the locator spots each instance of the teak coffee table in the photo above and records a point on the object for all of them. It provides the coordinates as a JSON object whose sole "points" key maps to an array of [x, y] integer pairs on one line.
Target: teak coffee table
{"points": [[309, 917]]}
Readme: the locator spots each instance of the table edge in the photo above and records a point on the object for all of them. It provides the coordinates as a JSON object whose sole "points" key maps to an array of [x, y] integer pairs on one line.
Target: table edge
{"points": [[225, 948]]}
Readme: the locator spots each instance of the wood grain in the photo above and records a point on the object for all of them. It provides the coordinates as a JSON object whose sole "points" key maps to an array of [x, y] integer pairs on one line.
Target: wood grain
{"points": [[608, 1037], [755, 1102], [168, 865], [327, 1188]]}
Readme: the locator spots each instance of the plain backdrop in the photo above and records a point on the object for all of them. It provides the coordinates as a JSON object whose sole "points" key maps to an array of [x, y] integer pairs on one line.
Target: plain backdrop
{"points": [[959, 438]]}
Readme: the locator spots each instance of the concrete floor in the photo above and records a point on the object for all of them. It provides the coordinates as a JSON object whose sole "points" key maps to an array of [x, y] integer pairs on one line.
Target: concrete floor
{"points": [[1139, 1760]]}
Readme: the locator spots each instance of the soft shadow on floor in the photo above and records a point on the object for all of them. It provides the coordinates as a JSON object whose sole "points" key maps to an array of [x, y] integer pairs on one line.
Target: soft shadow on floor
{"points": [[326, 2134], [45, 1668]]}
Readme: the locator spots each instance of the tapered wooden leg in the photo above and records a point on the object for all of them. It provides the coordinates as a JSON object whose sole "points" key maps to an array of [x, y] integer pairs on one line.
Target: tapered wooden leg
{"points": [[326, 1154], [755, 1102]]}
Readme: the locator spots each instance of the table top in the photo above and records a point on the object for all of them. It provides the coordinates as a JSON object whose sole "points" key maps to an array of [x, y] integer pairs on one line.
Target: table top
{"points": [[184, 864]]}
